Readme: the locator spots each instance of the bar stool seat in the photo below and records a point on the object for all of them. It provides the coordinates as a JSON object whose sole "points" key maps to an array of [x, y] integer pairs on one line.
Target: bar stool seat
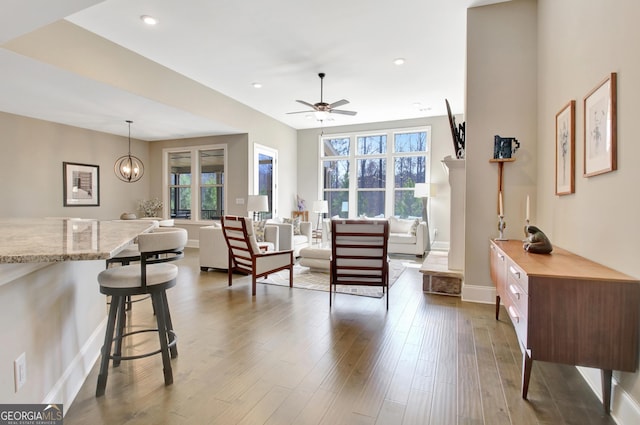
{"points": [[153, 276]]}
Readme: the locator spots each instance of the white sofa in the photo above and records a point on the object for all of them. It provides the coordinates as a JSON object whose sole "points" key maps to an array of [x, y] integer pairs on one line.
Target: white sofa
{"points": [[289, 240], [401, 238], [403, 241], [214, 253]]}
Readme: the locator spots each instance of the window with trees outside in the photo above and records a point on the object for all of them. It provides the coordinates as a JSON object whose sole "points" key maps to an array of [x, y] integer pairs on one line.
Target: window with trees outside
{"points": [[196, 183], [374, 174]]}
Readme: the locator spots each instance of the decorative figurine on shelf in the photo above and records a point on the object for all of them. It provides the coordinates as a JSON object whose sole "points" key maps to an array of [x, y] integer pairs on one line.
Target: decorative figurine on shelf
{"points": [[457, 132], [302, 205], [501, 226], [537, 243], [503, 147]]}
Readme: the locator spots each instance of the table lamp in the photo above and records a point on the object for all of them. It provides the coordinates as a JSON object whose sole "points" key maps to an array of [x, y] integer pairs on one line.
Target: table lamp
{"points": [[320, 207], [257, 204]]}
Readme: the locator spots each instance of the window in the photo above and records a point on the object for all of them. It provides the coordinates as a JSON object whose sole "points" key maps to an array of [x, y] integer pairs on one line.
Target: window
{"points": [[410, 167], [180, 185], [387, 166], [371, 161], [196, 198], [211, 184], [335, 175]]}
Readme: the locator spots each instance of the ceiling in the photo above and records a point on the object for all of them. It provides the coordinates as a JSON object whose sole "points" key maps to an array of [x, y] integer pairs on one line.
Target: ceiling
{"points": [[228, 45]]}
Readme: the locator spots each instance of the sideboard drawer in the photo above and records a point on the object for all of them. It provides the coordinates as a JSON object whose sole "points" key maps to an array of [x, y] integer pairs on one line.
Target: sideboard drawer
{"points": [[517, 295], [519, 321], [518, 275]]}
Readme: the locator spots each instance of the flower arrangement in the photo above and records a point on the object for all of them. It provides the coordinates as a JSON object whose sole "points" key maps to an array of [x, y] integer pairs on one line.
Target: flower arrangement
{"points": [[150, 207]]}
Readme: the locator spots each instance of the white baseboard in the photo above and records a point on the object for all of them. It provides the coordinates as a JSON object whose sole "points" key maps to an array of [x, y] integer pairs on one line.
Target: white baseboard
{"points": [[67, 387], [440, 246], [193, 243], [479, 294], [624, 409]]}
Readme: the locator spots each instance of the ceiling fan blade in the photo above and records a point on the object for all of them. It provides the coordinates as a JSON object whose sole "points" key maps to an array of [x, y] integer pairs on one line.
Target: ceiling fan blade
{"points": [[340, 111], [338, 103], [307, 104], [301, 112]]}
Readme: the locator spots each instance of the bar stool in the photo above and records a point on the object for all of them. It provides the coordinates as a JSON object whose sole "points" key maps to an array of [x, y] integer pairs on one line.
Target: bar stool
{"points": [[130, 255], [153, 276]]}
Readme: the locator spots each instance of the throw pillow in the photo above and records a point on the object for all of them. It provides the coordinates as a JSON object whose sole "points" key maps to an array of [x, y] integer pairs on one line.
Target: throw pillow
{"points": [[401, 225], [414, 226], [295, 223], [258, 230]]}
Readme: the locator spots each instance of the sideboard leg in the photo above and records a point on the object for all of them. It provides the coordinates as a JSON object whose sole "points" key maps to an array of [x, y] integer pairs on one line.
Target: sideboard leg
{"points": [[606, 389], [497, 307], [527, 363]]}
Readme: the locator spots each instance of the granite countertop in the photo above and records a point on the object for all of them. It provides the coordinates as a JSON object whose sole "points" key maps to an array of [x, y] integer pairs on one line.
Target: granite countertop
{"points": [[42, 240]]}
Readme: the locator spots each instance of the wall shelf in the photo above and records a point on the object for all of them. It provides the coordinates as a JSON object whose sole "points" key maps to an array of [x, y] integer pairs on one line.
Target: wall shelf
{"points": [[500, 162]]}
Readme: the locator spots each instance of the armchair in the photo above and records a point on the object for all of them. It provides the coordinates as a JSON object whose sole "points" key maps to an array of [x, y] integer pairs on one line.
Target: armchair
{"points": [[245, 255], [289, 240], [359, 254]]}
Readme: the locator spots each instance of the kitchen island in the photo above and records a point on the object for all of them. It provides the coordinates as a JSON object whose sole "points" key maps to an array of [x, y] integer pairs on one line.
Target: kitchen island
{"points": [[50, 304]]}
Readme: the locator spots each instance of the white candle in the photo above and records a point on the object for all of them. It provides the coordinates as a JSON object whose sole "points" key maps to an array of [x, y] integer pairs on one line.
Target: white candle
{"points": [[527, 216], [500, 202]]}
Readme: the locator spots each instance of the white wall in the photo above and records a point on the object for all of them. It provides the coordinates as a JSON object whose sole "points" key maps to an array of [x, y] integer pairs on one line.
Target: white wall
{"points": [[579, 44], [441, 146], [58, 44], [31, 169], [526, 59], [501, 100], [56, 316]]}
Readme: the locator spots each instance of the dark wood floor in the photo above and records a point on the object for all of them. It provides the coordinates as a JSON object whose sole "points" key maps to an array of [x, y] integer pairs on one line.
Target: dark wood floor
{"points": [[282, 357]]}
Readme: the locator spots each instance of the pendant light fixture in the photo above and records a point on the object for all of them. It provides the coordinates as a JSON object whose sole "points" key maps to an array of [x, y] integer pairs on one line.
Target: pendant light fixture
{"points": [[129, 168]]}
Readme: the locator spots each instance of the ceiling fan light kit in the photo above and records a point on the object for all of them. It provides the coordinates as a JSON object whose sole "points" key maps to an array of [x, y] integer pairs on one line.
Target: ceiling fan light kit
{"points": [[322, 109]]}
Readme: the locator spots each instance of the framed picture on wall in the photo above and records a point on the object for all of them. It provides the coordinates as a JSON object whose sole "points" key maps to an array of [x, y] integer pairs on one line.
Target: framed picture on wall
{"points": [[81, 185], [565, 149], [600, 130]]}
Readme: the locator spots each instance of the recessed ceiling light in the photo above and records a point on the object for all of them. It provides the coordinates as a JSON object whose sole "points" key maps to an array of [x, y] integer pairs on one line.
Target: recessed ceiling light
{"points": [[149, 20], [417, 105], [256, 85], [399, 61]]}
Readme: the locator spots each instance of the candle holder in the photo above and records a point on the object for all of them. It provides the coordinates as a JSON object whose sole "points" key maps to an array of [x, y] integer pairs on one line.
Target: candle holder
{"points": [[501, 226], [526, 225]]}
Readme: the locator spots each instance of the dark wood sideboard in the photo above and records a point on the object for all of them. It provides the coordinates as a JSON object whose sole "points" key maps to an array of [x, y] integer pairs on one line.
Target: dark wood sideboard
{"points": [[567, 309]]}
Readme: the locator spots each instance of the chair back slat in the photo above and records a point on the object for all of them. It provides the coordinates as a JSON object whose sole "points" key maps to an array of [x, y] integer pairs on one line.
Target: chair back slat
{"points": [[237, 235], [359, 253]]}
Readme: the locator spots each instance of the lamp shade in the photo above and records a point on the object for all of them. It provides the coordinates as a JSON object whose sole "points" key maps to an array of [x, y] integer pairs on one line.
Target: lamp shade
{"points": [[320, 206], [257, 203], [424, 190], [345, 206]]}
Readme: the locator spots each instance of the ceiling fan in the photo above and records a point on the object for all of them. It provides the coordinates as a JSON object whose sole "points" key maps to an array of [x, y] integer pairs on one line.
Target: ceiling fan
{"points": [[322, 109]]}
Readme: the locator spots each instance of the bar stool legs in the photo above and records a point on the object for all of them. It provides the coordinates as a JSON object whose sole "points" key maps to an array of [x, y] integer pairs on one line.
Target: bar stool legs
{"points": [[115, 333], [106, 347]]}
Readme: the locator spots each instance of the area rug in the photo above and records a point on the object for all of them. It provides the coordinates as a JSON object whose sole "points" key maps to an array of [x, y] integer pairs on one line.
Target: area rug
{"points": [[305, 278]]}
